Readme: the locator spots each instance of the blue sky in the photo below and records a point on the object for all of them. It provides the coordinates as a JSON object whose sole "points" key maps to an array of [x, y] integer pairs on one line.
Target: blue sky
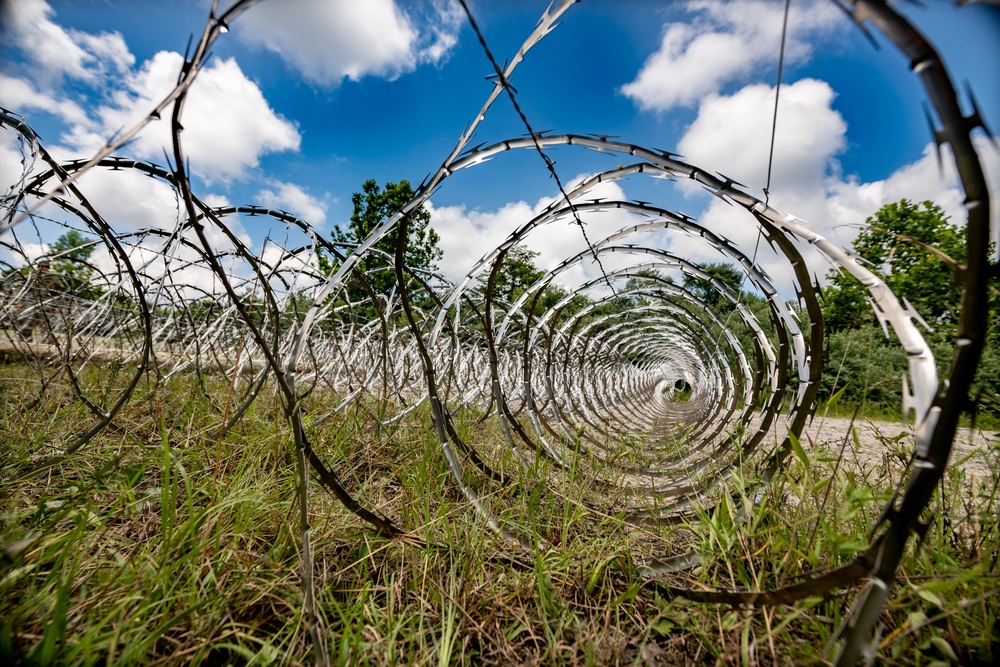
{"points": [[304, 100]]}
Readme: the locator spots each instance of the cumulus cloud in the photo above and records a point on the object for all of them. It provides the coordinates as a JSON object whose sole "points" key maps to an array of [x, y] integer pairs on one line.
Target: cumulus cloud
{"points": [[837, 209], [26, 253], [724, 43], [468, 235], [14, 160], [294, 199], [851, 201], [129, 200], [57, 52], [51, 55], [731, 135], [216, 200], [22, 95], [330, 41], [228, 125]]}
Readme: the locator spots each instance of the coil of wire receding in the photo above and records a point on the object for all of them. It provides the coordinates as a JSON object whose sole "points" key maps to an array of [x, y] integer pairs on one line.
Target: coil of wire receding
{"points": [[585, 397]]}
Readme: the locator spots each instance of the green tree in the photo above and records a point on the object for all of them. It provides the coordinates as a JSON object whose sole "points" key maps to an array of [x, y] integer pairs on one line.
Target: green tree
{"points": [[517, 273], [72, 245], [727, 274], [325, 263], [372, 207], [72, 249], [649, 279], [70, 254], [909, 247], [915, 249]]}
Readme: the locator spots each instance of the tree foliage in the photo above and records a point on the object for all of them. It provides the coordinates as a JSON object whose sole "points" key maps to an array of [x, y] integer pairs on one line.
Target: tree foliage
{"points": [[72, 246], [70, 265], [907, 246], [517, 273], [916, 250], [648, 280], [728, 274], [372, 207]]}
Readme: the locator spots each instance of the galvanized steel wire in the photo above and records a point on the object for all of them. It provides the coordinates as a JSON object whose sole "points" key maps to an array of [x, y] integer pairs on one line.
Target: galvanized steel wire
{"points": [[563, 383]]}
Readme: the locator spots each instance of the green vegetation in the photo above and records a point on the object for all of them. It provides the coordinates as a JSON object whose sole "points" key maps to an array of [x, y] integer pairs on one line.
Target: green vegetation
{"points": [[517, 273], [73, 251], [372, 207], [727, 274], [68, 273], [915, 250], [157, 545]]}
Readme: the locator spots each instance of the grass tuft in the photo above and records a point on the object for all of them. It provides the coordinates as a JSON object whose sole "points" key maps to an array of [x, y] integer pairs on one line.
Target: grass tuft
{"points": [[157, 544]]}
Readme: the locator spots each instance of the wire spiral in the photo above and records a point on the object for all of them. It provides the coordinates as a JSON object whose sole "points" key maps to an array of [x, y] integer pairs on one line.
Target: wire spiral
{"points": [[586, 387]]}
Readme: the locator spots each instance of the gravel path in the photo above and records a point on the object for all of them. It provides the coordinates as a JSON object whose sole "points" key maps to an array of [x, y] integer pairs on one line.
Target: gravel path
{"points": [[971, 449]]}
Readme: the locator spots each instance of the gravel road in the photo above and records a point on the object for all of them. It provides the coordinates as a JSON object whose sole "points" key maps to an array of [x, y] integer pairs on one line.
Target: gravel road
{"points": [[971, 449]]}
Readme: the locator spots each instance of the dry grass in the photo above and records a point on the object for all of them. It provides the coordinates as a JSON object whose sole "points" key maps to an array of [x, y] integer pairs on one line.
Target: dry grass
{"points": [[154, 545]]}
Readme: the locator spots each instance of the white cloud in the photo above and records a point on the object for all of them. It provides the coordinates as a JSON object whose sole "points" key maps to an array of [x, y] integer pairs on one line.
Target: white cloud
{"points": [[58, 52], [12, 161], [468, 235], [725, 42], [228, 125], [330, 41], [851, 201], [731, 135], [294, 199], [129, 200], [216, 200], [27, 252], [443, 25], [22, 95], [132, 203], [108, 51]]}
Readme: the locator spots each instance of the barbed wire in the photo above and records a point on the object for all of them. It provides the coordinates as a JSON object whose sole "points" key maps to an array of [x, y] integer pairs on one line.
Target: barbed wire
{"points": [[564, 381]]}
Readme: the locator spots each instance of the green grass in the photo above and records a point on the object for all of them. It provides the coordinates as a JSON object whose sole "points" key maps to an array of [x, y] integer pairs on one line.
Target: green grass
{"points": [[986, 420], [157, 545]]}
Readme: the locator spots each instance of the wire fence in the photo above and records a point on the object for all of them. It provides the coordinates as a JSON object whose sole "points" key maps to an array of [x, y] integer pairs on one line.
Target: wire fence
{"points": [[562, 375]]}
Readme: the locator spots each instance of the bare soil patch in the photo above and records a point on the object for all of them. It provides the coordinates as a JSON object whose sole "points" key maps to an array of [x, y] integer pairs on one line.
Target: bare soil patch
{"points": [[971, 448]]}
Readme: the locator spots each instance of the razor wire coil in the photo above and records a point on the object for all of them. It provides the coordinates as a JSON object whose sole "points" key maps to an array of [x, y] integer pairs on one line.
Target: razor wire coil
{"points": [[567, 385]]}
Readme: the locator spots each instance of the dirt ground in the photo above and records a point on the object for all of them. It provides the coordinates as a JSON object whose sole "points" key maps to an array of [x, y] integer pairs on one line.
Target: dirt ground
{"points": [[971, 449]]}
